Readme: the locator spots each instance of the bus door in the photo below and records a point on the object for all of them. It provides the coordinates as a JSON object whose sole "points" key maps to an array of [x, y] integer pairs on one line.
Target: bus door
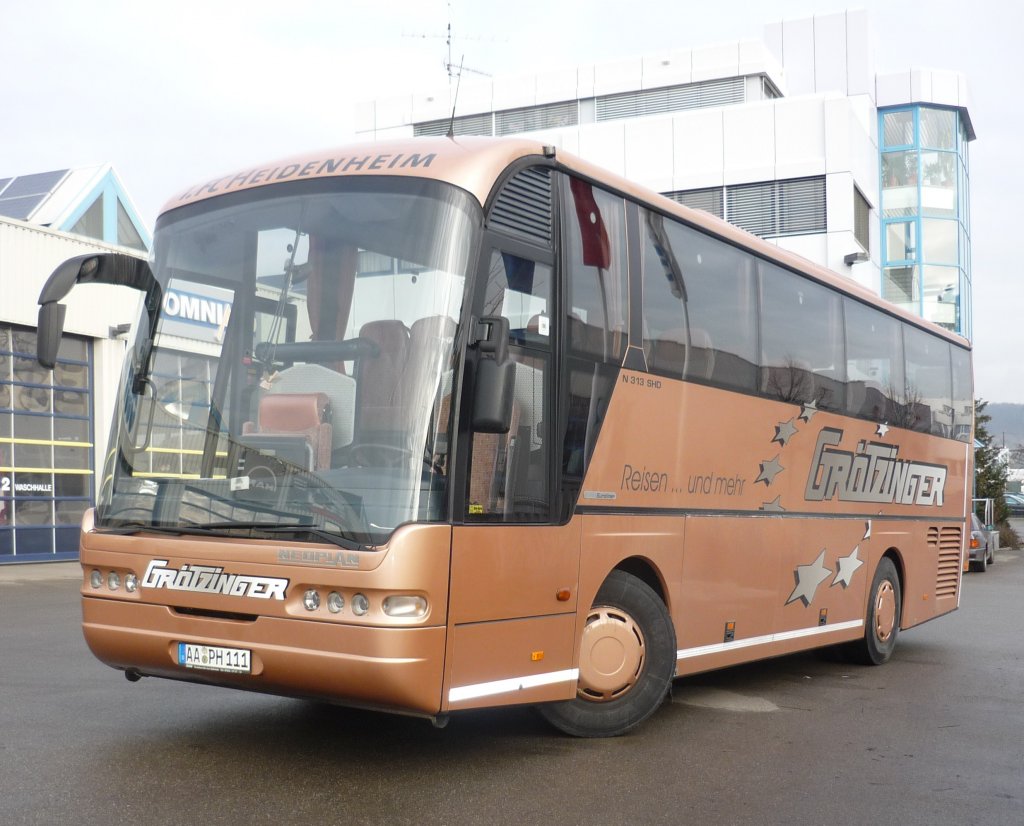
{"points": [[514, 572]]}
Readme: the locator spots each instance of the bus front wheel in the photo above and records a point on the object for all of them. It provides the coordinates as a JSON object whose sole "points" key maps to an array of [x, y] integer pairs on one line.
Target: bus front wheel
{"points": [[627, 661], [882, 623]]}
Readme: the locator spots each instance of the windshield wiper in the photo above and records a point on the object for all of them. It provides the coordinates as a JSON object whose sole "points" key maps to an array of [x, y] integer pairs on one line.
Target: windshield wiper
{"points": [[310, 528]]}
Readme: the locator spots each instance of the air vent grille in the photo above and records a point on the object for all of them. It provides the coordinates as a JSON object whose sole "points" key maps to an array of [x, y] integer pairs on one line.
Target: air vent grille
{"points": [[524, 206], [949, 540]]}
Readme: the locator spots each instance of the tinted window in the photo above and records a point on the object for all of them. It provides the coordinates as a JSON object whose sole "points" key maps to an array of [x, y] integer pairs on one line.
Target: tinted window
{"points": [[874, 363], [520, 290], [963, 395], [698, 306], [596, 259], [801, 340], [928, 401]]}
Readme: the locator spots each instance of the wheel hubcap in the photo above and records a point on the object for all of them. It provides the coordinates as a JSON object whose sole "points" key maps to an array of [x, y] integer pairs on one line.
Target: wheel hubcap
{"points": [[612, 654], [885, 611]]}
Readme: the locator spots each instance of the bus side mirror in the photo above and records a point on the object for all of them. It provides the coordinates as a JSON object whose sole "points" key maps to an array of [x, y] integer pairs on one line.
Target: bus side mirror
{"points": [[495, 377], [104, 268], [49, 333]]}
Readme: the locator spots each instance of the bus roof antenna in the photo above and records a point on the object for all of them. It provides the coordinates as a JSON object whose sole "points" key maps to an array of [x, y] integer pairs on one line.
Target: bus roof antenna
{"points": [[455, 99], [449, 66]]}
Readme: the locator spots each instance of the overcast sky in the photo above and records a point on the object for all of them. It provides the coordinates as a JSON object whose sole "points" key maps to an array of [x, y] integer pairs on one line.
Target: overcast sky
{"points": [[174, 93]]}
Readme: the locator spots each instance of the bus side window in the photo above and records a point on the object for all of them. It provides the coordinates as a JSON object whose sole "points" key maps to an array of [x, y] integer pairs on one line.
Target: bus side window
{"points": [[595, 254], [874, 363], [801, 340], [596, 323], [699, 294], [929, 397], [963, 394]]}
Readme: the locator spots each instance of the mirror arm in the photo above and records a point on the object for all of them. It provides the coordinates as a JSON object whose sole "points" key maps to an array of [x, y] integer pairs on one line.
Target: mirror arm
{"points": [[113, 268]]}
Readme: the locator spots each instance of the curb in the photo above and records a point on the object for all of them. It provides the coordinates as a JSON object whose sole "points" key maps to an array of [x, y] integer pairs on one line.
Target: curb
{"points": [[39, 572]]}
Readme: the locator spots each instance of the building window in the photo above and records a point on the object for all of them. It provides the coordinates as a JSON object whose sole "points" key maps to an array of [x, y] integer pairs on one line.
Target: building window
{"points": [[463, 125], [901, 241], [91, 223], [46, 449], [127, 234], [861, 219], [637, 104], [770, 209], [924, 210], [777, 208], [533, 118], [938, 129], [898, 128], [710, 200], [900, 286], [671, 99]]}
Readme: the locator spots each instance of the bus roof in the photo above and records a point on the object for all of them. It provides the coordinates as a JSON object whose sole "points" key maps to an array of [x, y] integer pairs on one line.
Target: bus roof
{"points": [[474, 163]]}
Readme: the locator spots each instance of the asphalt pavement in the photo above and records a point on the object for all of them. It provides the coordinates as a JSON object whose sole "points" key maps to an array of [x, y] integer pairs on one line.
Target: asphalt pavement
{"points": [[936, 736]]}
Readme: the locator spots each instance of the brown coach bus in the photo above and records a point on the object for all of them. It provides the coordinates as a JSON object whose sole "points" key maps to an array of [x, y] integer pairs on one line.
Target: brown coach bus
{"points": [[440, 424]]}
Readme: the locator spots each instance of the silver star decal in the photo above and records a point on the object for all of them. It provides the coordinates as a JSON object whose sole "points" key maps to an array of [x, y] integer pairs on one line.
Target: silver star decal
{"points": [[867, 529], [808, 578], [808, 410], [770, 468], [882, 430], [784, 431], [775, 506], [848, 566]]}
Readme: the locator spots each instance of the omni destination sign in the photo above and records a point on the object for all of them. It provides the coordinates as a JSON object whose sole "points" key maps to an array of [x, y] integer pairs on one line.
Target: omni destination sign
{"points": [[196, 309], [200, 314]]}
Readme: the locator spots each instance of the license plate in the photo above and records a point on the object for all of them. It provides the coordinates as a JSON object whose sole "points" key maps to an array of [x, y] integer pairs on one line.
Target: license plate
{"points": [[214, 658]]}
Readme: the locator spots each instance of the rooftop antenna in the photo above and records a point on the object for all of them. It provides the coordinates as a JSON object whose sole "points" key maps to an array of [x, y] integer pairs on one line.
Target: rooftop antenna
{"points": [[454, 73], [455, 98], [448, 65]]}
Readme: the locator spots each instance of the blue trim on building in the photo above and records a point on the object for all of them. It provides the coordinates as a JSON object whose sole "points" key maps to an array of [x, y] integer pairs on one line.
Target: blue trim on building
{"points": [[113, 194], [923, 218]]}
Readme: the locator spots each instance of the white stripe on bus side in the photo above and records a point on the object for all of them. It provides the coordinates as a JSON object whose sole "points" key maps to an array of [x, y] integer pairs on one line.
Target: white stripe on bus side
{"points": [[471, 692], [782, 636]]}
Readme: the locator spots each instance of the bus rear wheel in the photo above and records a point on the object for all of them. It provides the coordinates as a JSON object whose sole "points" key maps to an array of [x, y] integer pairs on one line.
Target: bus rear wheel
{"points": [[882, 624], [627, 661]]}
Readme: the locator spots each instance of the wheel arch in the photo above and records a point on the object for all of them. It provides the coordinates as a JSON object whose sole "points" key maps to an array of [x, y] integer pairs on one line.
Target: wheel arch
{"points": [[893, 554], [648, 573]]}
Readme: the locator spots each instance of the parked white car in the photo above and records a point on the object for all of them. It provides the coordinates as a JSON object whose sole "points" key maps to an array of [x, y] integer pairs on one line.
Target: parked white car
{"points": [[982, 552]]}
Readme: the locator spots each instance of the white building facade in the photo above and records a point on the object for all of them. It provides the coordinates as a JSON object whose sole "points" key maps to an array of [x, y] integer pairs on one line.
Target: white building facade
{"points": [[794, 138], [54, 423]]}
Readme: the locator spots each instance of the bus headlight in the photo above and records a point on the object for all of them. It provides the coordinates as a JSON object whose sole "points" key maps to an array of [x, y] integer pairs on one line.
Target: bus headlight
{"points": [[335, 602], [405, 605], [113, 580], [131, 583], [96, 579], [360, 605], [311, 599]]}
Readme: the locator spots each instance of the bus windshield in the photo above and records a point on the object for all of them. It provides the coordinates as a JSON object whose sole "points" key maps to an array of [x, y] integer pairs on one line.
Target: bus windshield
{"points": [[297, 375]]}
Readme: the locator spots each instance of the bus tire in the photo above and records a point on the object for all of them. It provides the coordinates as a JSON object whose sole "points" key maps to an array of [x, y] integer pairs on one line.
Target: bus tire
{"points": [[882, 624], [627, 662]]}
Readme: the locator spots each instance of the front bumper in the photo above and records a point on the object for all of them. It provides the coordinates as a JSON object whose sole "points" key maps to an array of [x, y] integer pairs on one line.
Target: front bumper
{"points": [[399, 669]]}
